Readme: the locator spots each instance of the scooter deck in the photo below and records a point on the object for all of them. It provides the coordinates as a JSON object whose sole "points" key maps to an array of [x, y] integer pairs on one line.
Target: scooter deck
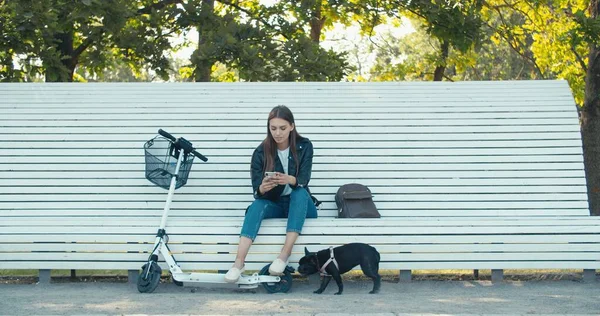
{"points": [[245, 280]]}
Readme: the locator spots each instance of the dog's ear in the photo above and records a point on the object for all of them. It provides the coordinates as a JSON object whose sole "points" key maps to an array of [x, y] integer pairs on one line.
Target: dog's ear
{"points": [[306, 252]]}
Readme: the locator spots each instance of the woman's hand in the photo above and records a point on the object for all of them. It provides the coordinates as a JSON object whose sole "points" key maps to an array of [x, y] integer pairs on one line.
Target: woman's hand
{"points": [[283, 179], [269, 183]]}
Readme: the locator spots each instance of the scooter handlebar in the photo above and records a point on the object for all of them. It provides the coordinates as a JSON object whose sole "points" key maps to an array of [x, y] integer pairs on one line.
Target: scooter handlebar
{"points": [[184, 143], [166, 134], [199, 155]]}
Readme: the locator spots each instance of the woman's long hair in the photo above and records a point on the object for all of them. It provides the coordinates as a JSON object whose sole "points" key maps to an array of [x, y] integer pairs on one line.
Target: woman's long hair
{"points": [[269, 144]]}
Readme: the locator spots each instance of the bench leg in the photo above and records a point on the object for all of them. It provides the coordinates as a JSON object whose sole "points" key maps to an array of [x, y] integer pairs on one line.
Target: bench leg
{"points": [[44, 276], [405, 276], [132, 276], [497, 275], [476, 274], [589, 275]]}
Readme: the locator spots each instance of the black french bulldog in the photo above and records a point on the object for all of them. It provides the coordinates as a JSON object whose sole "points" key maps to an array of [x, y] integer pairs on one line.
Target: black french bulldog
{"points": [[347, 257]]}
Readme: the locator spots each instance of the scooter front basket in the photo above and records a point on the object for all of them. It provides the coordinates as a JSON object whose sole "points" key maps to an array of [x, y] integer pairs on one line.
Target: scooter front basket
{"points": [[161, 159]]}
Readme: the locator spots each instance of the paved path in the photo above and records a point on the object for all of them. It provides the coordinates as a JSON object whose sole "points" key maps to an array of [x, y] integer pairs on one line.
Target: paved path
{"points": [[418, 297]]}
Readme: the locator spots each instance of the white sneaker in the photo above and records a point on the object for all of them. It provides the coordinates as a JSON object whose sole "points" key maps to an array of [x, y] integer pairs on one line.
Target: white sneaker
{"points": [[233, 274], [277, 267]]}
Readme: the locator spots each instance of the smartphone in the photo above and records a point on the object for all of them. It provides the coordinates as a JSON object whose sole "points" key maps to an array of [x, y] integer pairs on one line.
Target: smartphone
{"points": [[270, 174]]}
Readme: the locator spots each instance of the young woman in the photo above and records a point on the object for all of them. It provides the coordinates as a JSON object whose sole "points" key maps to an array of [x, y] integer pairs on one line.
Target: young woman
{"points": [[280, 170]]}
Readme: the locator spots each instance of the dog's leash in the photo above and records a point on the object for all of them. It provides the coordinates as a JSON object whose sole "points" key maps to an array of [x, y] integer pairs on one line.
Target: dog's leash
{"points": [[331, 259]]}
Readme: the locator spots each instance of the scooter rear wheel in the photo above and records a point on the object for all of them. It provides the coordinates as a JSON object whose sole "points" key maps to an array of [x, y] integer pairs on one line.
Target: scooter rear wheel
{"points": [[282, 286], [148, 280]]}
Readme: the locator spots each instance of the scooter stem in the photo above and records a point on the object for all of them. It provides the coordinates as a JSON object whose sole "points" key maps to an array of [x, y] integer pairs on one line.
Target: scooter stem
{"points": [[163, 221]]}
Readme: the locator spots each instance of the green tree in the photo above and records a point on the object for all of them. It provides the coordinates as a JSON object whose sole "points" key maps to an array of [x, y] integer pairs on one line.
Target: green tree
{"points": [[454, 24], [544, 34], [561, 33], [259, 42], [55, 38], [415, 56], [52, 38]]}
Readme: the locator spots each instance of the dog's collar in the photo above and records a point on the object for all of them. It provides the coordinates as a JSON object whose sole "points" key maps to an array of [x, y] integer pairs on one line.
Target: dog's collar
{"points": [[330, 260]]}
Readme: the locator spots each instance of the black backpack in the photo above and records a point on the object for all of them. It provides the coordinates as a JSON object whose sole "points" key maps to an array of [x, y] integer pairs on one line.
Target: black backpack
{"points": [[355, 201]]}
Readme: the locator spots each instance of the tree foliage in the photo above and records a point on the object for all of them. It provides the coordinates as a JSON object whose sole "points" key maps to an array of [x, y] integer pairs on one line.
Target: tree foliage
{"points": [[246, 40], [53, 37], [456, 25], [494, 39], [547, 34], [260, 44], [420, 53]]}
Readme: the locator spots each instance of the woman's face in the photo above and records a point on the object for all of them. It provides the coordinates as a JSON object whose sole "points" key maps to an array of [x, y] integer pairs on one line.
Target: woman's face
{"points": [[280, 130]]}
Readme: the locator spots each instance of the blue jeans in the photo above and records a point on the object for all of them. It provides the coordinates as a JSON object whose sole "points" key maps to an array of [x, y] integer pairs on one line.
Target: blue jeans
{"points": [[296, 207]]}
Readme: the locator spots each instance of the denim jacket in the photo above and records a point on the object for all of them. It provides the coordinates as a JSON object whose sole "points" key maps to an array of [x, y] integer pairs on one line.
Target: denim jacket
{"points": [[304, 150]]}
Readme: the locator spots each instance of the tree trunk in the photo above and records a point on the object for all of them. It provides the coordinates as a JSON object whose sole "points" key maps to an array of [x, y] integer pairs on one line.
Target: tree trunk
{"points": [[64, 45], [590, 131], [316, 22], [204, 66], [438, 74], [590, 122]]}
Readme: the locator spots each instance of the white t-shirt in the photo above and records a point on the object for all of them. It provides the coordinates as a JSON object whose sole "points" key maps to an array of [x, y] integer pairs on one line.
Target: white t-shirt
{"points": [[284, 156]]}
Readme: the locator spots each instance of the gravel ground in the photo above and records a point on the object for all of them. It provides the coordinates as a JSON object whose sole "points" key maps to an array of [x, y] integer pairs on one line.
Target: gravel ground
{"points": [[116, 297]]}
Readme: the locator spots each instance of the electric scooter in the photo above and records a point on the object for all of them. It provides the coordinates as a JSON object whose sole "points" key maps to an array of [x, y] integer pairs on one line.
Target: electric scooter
{"points": [[168, 164]]}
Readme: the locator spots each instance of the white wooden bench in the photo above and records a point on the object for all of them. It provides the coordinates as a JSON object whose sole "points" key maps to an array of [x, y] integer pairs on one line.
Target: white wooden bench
{"points": [[466, 175]]}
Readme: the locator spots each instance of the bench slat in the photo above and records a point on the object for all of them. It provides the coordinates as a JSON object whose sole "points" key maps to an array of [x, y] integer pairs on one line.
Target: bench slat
{"points": [[200, 183], [323, 213], [322, 190], [317, 174], [310, 230], [298, 249], [201, 266], [50, 108], [200, 123], [217, 152], [194, 221], [256, 137], [383, 198], [259, 131], [242, 146], [311, 240], [128, 118], [260, 257], [237, 208]]}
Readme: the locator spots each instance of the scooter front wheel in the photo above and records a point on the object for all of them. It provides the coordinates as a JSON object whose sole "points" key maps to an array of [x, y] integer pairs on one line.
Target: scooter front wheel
{"points": [[149, 278], [283, 286]]}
